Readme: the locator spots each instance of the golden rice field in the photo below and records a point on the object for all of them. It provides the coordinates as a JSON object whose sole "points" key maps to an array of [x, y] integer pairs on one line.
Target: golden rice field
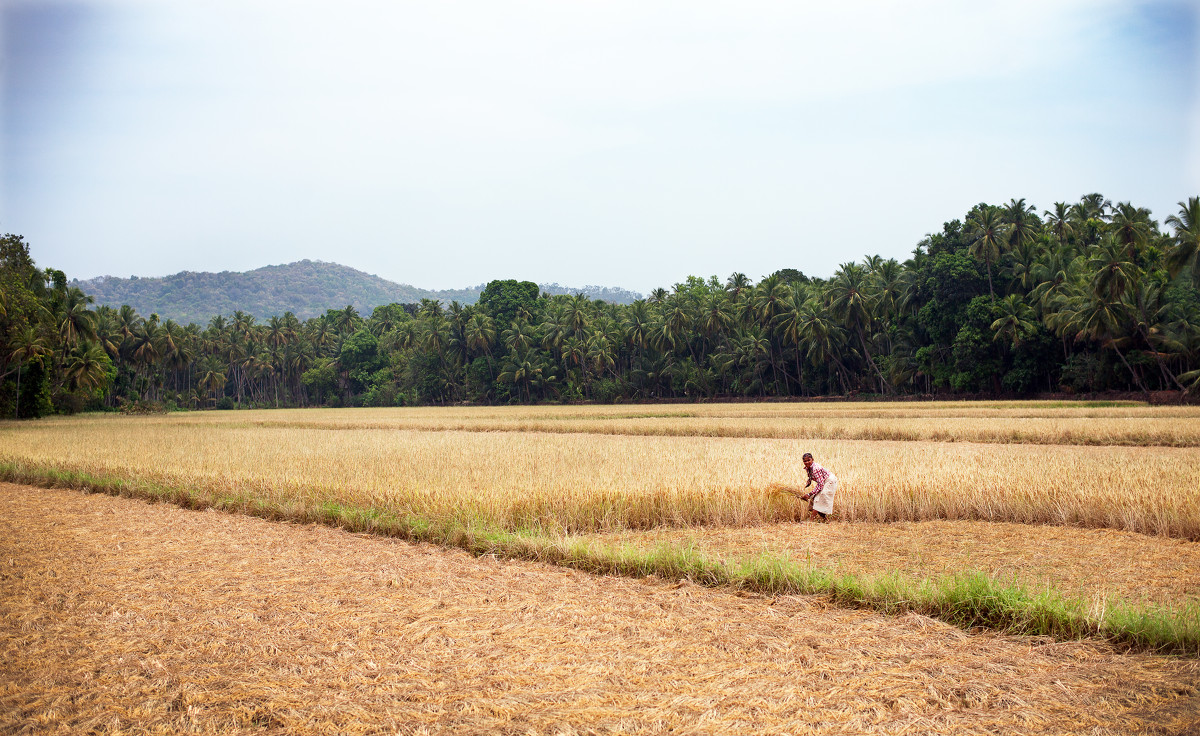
{"points": [[421, 462], [1002, 422], [123, 617]]}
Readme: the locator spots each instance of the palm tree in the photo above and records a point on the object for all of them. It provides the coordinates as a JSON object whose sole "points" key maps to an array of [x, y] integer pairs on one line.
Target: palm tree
{"points": [[1113, 271], [1095, 206], [1104, 320], [86, 367], [674, 325], [1132, 228], [1058, 222], [556, 328], [1150, 312], [1054, 272], [1186, 251], [737, 283], [822, 338], [600, 354], [75, 321], [212, 379], [990, 235], [347, 320], [523, 368], [1017, 320], [481, 333], [1023, 223], [29, 346], [851, 301], [789, 325], [887, 281], [145, 349], [521, 336], [1024, 259], [577, 314]]}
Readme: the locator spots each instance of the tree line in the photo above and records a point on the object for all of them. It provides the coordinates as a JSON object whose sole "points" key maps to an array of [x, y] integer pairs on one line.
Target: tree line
{"points": [[1084, 297]]}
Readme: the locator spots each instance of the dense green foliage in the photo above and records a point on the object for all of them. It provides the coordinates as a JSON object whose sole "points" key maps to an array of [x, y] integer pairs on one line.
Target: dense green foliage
{"points": [[50, 356], [305, 288], [1090, 297]]}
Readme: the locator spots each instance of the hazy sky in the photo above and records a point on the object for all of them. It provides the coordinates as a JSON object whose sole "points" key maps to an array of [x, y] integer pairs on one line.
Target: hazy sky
{"points": [[621, 143]]}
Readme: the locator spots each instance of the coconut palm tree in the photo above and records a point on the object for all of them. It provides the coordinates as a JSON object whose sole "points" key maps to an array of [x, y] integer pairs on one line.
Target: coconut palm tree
{"points": [[1058, 221], [990, 238], [1113, 270], [1016, 322], [481, 334], [28, 346], [1132, 228], [212, 379], [737, 283], [75, 321], [822, 339], [1023, 223], [1186, 251], [86, 367], [1104, 321], [852, 302]]}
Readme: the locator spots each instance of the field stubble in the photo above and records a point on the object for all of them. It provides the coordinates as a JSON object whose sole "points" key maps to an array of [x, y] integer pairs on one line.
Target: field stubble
{"points": [[120, 616], [1003, 422]]}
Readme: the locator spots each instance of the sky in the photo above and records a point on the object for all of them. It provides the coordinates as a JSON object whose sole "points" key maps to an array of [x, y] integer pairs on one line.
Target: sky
{"points": [[625, 143]]}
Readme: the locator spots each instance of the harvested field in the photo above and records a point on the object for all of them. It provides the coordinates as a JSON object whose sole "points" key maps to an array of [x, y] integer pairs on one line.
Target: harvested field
{"points": [[596, 482], [121, 616], [1094, 565], [1003, 422]]}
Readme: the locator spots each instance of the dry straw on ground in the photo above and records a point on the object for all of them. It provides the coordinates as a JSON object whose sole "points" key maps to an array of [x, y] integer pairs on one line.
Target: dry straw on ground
{"points": [[582, 482], [1004, 422], [122, 617]]}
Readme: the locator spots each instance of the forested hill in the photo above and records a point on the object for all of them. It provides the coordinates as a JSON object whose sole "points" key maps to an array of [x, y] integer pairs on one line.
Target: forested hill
{"points": [[305, 288]]}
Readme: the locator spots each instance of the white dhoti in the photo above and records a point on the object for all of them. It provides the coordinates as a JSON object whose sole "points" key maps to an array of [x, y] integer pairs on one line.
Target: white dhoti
{"points": [[823, 501]]}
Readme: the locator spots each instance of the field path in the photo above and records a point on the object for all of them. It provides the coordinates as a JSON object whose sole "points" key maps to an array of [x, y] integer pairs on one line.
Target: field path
{"points": [[121, 616]]}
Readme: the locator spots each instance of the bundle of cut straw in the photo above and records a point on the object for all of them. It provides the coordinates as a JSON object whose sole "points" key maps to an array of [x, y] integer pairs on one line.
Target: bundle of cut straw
{"points": [[785, 488]]}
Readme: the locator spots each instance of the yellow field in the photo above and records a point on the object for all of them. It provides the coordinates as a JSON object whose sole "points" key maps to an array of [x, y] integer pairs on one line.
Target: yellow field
{"points": [[582, 481], [1005, 422], [307, 629]]}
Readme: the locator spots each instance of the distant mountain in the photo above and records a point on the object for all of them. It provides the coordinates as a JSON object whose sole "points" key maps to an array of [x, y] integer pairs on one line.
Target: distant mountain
{"points": [[306, 288]]}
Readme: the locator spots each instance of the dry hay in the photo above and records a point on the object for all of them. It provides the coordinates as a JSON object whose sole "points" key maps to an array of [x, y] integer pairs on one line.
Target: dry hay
{"points": [[123, 617], [1000, 422], [1089, 564]]}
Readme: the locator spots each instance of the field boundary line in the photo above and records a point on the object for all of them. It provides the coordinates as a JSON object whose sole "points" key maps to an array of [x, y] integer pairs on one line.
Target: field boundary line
{"points": [[969, 600], [732, 435]]}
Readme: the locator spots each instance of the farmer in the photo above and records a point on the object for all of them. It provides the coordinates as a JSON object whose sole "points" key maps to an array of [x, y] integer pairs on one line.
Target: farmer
{"points": [[820, 499]]}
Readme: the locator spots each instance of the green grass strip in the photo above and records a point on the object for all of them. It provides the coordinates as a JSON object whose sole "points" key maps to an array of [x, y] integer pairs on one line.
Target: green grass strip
{"points": [[970, 601]]}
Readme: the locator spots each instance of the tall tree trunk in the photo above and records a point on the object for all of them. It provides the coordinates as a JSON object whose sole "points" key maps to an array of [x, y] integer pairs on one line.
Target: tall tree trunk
{"points": [[882, 382], [1161, 364], [1136, 378]]}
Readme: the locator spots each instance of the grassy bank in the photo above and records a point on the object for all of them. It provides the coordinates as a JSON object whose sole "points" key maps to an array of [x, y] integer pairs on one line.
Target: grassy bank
{"points": [[966, 600]]}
